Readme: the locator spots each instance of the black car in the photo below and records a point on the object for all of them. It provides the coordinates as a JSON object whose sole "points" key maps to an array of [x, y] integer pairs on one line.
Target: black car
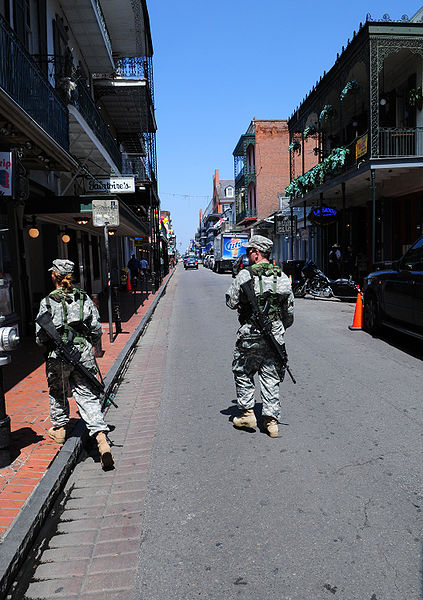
{"points": [[394, 297], [240, 263], [191, 263]]}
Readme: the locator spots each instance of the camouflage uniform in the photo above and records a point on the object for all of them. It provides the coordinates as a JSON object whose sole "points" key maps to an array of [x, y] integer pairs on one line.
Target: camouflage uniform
{"points": [[252, 354], [72, 310]]}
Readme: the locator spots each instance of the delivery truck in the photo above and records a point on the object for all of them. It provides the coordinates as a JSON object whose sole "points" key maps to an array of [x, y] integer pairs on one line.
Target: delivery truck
{"points": [[227, 248]]}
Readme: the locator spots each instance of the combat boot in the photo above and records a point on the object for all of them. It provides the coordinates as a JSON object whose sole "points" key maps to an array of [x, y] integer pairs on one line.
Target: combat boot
{"points": [[106, 457], [247, 419], [57, 434], [271, 426]]}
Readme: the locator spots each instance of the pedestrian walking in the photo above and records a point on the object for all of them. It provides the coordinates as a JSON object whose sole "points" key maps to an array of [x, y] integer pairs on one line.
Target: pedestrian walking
{"points": [[134, 270], [76, 318], [252, 353], [335, 259]]}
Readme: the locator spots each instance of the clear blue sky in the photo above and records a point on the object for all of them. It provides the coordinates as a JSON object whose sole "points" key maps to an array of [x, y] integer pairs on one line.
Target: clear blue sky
{"points": [[218, 64]]}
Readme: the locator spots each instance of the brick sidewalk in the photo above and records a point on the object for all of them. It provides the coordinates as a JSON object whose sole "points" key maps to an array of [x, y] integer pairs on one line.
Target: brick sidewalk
{"points": [[27, 405], [94, 552]]}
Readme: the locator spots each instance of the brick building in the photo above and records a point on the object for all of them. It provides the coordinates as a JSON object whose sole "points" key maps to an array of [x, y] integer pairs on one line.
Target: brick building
{"points": [[262, 170]]}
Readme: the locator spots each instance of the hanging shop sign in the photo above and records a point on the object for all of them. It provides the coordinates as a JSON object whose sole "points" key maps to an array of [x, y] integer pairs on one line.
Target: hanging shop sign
{"points": [[105, 212], [6, 166], [323, 215], [361, 147], [283, 224], [115, 185]]}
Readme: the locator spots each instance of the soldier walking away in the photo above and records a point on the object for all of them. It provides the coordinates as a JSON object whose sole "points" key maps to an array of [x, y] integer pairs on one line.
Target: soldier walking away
{"points": [[252, 353], [76, 319]]}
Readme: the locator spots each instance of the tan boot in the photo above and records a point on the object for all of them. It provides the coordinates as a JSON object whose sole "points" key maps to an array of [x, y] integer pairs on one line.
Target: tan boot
{"points": [[247, 419], [57, 434], [271, 426], [106, 457]]}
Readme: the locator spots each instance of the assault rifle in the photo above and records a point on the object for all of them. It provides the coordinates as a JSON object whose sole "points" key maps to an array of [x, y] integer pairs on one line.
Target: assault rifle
{"points": [[264, 324], [66, 351]]}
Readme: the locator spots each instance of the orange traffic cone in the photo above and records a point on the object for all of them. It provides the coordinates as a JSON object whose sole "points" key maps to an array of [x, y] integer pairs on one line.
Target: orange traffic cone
{"points": [[358, 315], [128, 284], [290, 280]]}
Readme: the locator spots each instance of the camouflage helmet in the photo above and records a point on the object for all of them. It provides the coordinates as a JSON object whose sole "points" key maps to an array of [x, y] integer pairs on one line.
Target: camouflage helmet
{"points": [[62, 266], [261, 243]]}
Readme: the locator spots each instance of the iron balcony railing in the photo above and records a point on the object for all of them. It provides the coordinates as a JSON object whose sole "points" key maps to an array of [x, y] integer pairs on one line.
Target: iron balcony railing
{"points": [[135, 166], [247, 170], [400, 142], [21, 78], [138, 67], [81, 98], [104, 26], [247, 213]]}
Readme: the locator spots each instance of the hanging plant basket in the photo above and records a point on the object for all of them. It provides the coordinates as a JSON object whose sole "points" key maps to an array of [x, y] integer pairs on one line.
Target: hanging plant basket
{"points": [[352, 87], [327, 113], [330, 166], [295, 146], [415, 97], [310, 130]]}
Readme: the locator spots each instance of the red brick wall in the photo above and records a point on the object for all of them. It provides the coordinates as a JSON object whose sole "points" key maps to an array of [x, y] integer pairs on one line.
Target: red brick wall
{"points": [[272, 164]]}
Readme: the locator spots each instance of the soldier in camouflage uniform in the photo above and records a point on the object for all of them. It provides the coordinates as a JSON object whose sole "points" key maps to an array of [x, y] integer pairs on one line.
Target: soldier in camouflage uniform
{"points": [[72, 311], [252, 353]]}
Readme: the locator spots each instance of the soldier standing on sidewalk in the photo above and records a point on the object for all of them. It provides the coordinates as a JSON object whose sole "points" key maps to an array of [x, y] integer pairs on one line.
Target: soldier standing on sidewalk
{"points": [[252, 354], [73, 313]]}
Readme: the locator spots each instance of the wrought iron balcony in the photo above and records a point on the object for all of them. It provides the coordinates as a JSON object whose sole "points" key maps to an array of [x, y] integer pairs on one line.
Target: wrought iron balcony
{"points": [[81, 98], [247, 170], [135, 166], [247, 213], [23, 81], [400, 142]]}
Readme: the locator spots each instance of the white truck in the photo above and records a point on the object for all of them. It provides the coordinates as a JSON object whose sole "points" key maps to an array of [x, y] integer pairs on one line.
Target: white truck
{"points": [[227, 247]]}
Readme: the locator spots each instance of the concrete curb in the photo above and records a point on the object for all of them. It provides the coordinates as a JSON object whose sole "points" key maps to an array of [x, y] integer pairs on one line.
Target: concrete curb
{"points": [[20, 537]]}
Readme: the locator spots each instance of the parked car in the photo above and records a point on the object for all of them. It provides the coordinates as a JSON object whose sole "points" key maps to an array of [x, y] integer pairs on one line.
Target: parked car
{"points": [[211, 262], [206, 260], [191, 263], [394, 297], [241, 263]]}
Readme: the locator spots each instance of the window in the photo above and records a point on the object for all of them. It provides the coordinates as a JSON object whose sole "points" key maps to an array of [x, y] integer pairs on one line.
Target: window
{"points": [[229, 192]]}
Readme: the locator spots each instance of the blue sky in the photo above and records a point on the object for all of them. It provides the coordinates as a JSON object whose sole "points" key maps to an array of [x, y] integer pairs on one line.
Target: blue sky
{"points": [[218, 64]]}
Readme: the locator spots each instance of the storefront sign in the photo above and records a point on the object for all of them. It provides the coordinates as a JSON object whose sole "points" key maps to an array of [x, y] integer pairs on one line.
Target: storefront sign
{"points": [[5, 173], [283, 224], [323, 215], [105, 211], [361, 147], [116, 185]]}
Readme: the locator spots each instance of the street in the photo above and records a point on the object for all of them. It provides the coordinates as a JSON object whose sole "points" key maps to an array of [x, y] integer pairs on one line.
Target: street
{"points": [[330, 509]]}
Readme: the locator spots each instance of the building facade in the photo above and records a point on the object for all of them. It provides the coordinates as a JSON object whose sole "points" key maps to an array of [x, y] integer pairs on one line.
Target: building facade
{"points": [[366, 120], [76, 115]]}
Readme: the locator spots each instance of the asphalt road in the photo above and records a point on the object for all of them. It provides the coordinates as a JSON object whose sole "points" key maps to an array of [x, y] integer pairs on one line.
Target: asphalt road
{"points": [[330, 509]]}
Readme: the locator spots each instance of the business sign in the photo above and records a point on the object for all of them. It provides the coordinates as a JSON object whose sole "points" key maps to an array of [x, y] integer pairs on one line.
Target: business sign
{"points": [[114, 185], [283, 224], [323, 215], [361, 147], [234, 247], [5, 173], [105, 211]]}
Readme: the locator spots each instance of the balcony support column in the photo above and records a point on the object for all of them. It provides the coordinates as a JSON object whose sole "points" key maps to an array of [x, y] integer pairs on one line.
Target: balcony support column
{"points": [[373, 180]]}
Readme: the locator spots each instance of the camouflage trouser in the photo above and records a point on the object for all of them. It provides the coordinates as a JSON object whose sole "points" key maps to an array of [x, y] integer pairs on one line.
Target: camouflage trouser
{"points": [[64, 380], [252, 356]]}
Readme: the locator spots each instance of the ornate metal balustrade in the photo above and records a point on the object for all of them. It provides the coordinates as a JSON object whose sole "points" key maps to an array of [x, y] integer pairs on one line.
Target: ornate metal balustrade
{"points": [[139, 67], [81, 98], [247, 170], [247, 213], [400, 142], [135, 166], [21, 78]]}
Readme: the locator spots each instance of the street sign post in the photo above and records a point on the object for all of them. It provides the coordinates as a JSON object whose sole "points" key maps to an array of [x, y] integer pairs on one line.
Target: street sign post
{"points": [[105, 211], [106, 214]]}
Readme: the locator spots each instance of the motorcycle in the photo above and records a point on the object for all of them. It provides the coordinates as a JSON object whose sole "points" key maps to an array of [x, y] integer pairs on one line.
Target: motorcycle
{"points": [[317, 284]]}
